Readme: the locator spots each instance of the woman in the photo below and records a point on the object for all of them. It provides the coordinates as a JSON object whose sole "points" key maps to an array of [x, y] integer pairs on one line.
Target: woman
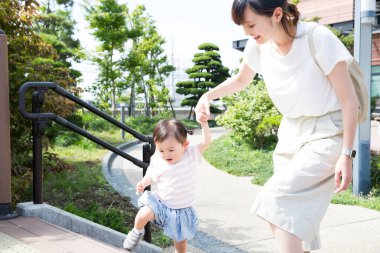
{"points": [[313, 157]]}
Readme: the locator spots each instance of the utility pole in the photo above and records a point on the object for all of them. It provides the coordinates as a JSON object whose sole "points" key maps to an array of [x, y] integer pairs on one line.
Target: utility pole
{"points": [[364, 19], [5, 143]]}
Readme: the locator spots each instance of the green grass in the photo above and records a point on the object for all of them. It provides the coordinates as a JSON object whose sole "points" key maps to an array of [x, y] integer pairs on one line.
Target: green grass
{"points": [[241, 160], [372, 201], [238, 159]]}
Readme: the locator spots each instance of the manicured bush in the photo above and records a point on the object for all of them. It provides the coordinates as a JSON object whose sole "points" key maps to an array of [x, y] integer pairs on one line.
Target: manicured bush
{"points": [[251, 116]]}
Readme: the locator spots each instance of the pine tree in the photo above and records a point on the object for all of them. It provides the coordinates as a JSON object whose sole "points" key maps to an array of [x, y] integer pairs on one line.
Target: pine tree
{"points": [[207, 72], [56, 26]]}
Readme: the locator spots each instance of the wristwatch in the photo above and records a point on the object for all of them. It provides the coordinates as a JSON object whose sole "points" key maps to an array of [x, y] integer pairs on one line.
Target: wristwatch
{"points": [[349, 152]]}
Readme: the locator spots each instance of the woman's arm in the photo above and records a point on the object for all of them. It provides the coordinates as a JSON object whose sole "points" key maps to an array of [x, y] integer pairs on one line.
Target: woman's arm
{"points": [[234, 84], [344, 88]]}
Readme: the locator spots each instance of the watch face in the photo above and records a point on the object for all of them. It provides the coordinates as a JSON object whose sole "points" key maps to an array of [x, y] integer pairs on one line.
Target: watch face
{"points": [[353, 153]]}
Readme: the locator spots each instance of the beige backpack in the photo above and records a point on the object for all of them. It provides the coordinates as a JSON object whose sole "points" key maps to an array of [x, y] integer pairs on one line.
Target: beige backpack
{"points": [[357, 78]]}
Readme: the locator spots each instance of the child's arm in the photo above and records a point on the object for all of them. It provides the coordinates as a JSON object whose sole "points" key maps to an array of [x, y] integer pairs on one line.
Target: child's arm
{"points": [[206, 136], [146, 181]]}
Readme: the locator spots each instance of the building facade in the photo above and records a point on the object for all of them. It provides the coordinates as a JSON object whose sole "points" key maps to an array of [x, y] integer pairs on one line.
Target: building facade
{"points": [[340, 15]]}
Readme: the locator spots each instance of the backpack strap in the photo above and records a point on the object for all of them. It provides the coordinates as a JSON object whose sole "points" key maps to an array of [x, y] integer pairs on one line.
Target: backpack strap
{"points": [[311, 44]]}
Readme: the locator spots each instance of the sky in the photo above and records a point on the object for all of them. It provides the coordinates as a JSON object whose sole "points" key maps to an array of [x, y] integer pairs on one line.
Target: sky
{"points": [[185, 24]]}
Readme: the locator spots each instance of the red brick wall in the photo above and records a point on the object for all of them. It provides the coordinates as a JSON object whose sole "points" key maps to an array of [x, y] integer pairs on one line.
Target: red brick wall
{"points": [[330, 11], [376, 49]]}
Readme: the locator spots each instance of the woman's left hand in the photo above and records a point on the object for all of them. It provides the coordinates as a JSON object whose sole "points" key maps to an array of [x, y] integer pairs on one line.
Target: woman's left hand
{"points": [[343, 173]]}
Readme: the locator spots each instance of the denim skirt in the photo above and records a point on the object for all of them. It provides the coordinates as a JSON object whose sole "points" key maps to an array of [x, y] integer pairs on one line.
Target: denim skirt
{"points": [[178, 224]]}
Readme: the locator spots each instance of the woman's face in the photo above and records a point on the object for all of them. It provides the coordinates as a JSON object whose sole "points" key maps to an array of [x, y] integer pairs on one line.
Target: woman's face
{"points": [[260, 28]]}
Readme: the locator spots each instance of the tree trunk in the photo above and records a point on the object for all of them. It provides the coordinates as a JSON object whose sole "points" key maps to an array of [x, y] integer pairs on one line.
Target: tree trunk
{"points": [[171, 107], [147, 109], [132, 104], [191, 110], [113, 101]]}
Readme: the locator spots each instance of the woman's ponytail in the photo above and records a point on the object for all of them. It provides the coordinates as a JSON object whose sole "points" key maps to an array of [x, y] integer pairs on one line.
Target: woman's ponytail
{"points": [[290, 18], [294, 13]]}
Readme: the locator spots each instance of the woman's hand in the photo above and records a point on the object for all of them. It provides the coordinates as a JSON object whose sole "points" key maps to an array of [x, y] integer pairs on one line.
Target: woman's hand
{"points": [[202, 110], [203, 103], [343, 173]]}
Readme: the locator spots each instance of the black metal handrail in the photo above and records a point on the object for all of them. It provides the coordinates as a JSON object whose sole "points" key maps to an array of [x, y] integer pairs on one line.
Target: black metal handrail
{"points": [[42, 86], [41, 119]]}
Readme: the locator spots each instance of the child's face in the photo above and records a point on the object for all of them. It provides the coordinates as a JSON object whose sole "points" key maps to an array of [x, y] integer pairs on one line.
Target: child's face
{"points": [[171, 150]]}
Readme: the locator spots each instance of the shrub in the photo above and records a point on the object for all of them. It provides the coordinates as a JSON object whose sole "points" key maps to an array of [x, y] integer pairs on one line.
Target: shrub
{"points": [[66, 138], [375, 171], [251, 116], [99, 124]]}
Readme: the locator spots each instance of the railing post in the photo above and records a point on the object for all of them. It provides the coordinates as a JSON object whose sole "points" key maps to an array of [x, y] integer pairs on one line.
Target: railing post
{"points": [[5, 139], [148, 151], [38, 132], [122, 117]]}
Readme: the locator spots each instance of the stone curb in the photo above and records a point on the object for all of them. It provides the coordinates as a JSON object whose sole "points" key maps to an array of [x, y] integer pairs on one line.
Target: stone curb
{"points": [[80, 225], [109, 159]]}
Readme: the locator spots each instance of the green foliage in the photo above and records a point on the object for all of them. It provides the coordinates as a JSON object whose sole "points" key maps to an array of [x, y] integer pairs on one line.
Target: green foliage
{"points": [[266, 131], [146, 64], [108, 21], [375, 171], [142, 124], [251, 116], [56, 27], [66, 138], [99, 124], [196, 68], [201, 59], [206, 73], [373, 102], [347, 39], [186, 84], [30, 59], [111, 217], [208, 47], [372, 200]]}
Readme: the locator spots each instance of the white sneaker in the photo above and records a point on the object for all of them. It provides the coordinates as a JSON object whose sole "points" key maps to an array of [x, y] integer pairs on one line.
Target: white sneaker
{"points": [[132, 240]]}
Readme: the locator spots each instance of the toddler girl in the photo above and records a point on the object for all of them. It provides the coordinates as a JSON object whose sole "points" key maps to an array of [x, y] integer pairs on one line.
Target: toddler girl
{"points": [[173, 172]]}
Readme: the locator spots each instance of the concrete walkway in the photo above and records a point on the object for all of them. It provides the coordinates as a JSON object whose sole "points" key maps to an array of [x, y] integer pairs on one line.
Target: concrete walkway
{"points": [[226, 225]]}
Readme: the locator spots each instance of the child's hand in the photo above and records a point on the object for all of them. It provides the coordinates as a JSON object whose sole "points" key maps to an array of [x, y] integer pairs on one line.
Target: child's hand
{"points": [[201, 115], [140, 188]]}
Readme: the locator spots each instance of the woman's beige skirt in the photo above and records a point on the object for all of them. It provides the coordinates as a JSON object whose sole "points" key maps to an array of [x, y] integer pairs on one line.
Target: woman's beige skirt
{"points": [[296, 197]]}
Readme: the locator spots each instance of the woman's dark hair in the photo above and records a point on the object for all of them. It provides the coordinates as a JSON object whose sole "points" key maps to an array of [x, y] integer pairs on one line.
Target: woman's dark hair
{"points": [[166, 128], [266, 8]]}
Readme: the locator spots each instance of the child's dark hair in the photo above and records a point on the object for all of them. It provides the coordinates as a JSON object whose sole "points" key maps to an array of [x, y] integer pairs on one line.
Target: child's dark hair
{"points": [[266, 8], [166, 128]]}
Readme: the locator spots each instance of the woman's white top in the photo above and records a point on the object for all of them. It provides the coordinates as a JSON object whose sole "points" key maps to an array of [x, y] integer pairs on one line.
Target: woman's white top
{"points": [[176, 182], [294, 82]]}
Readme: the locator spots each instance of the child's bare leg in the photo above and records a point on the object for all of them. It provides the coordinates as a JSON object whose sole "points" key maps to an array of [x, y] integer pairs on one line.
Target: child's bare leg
{"points": [[288, 242], [144, 215], [180, 247]]}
